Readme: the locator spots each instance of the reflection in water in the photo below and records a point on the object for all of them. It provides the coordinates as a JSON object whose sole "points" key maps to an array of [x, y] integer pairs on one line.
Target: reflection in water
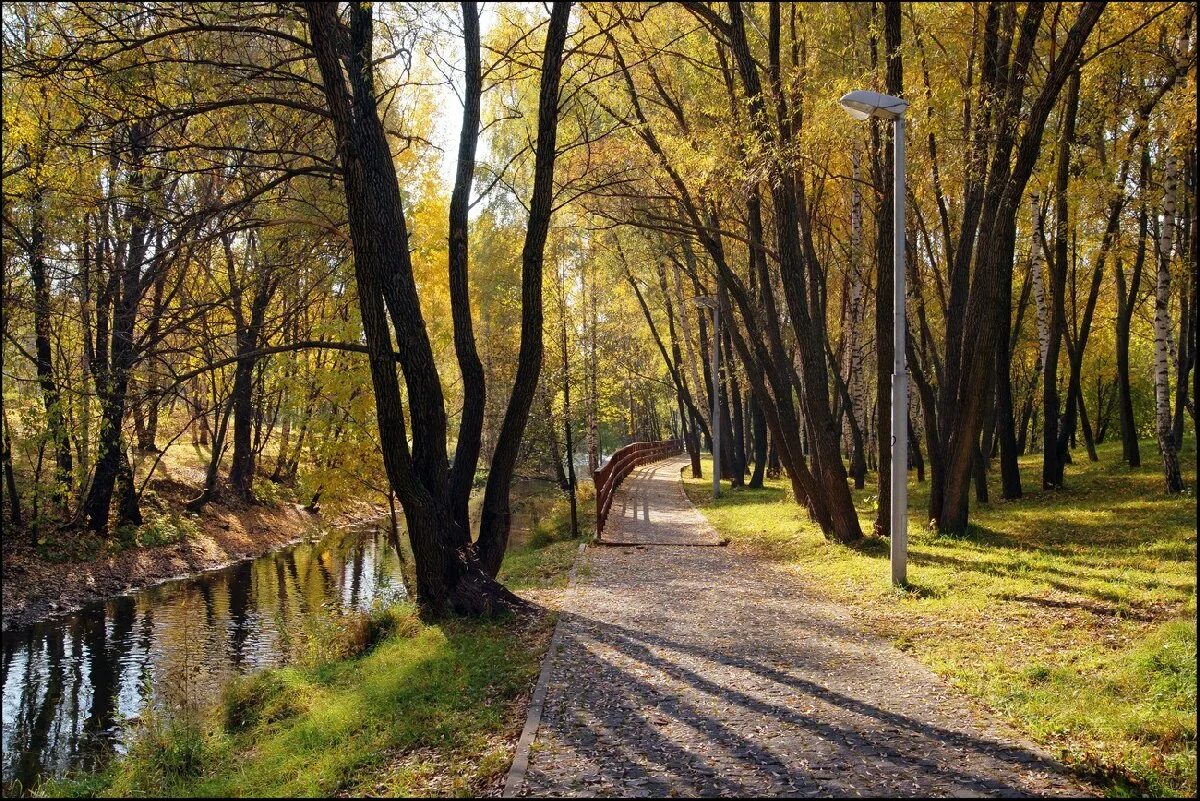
{"points": [[69, 683]]}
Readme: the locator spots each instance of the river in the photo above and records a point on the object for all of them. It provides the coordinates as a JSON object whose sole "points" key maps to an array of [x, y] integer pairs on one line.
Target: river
{"points": [[72, 683]]}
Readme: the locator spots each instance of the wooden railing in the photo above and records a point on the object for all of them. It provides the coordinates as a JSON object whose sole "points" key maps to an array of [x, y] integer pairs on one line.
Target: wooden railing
{"points": [[608, 477]]}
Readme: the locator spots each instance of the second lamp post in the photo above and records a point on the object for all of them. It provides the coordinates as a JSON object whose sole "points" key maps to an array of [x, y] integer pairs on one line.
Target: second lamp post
{"points": [[863, 105]]}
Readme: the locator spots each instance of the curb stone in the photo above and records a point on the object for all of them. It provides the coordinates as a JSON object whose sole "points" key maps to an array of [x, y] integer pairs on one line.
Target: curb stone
{"points": [[516, 774]]}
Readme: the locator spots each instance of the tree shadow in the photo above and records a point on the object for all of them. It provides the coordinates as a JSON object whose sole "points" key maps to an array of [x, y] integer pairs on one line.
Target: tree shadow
{"points": [[702, 735]]}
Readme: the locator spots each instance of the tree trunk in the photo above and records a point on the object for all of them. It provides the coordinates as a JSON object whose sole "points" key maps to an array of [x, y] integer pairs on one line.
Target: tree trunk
{"points": [[1162, 330], [1126, 301], [115, 384], [496, 516], [856, 380], [796, 250], [556, 459], [241, 470], [733, 394], [211, 473], [43, 345], [1053, 456], [914, 445], [884, 347], [470, 429], [449, 577], [1085, 424], [147, 422], [759, 424], [567, 432], [10, 482]]}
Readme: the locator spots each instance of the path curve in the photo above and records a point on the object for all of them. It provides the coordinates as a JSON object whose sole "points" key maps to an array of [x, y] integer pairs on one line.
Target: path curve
{"points": [[705, 671], [649, 508]]}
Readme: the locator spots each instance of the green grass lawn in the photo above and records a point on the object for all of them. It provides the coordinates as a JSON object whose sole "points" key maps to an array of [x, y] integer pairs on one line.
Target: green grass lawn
{"points": [[1070, 613], [423, 709]]}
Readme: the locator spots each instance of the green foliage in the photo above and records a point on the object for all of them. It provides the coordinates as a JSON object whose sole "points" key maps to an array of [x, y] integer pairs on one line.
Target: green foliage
{"points": [[326, 635], [261, 698], [165, 528], [1090, 590], [168, 749], [273, 492]]}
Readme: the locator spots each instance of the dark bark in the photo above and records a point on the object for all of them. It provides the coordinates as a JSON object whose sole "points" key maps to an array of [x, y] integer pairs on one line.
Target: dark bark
{"points": [[1006, 434], [960, 417], [568, 433], [1002, 420], [1085, 425], [43, 346], [1053, 454], [759, 425], [147, 420], [1077, 344], [799, 267], [449, 576], [979, 475], [1126, 303], [116, 358], [687, 404], [914, 447], [470, 430], [734, 399], [881, 136], [209, 490], [674, 361], [10, 481], [249, 334], [496, 517], [556, 457]]}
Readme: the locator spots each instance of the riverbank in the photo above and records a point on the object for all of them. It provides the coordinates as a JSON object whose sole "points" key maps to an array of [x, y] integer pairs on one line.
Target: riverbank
{"points": [[1071, 614], [384, 704], [39, 583]]}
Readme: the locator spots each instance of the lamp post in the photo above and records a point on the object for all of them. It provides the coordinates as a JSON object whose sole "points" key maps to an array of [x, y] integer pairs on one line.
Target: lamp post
{"points": [[710, 302], [863, 105]]}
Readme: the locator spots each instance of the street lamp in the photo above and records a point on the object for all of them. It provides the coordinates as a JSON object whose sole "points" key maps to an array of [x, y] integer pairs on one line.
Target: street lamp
{"points": [[709, 302], [863, 105]]}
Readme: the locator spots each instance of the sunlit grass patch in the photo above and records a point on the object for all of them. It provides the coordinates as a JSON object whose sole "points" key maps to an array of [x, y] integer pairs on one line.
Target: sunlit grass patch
{"points": [[383, 704], [430, 710], [1070, 612]]}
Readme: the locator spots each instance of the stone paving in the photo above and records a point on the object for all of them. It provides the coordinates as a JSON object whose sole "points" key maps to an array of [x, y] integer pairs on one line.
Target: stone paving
{"points": [[703, 671]]}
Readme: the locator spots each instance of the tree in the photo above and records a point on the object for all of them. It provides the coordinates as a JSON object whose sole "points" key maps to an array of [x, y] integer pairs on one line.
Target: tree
{"points": [[451, 574]]}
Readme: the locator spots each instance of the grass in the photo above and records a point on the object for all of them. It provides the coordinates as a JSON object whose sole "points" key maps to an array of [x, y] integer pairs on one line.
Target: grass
{"points": [[409, 709], [1070, 613]]}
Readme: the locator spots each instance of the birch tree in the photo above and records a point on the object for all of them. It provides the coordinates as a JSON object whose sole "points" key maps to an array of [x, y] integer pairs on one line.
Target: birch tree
{"points": [[1162, 331]]}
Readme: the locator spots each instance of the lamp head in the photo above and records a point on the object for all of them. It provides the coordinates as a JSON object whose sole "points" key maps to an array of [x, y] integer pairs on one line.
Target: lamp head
{"points": [[862, 104]]}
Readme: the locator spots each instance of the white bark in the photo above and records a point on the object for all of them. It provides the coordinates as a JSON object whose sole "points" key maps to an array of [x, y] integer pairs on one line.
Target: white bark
{"points": [[1038, 265], [593, 430], [1162, 331], [856, 380]]}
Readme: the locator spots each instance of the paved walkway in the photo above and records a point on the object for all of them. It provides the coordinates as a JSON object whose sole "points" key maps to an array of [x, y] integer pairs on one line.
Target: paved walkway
{"points": [[702, 671], [650, 509]]}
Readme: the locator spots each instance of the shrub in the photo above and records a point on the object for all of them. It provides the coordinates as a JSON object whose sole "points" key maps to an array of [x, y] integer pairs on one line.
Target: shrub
{"points": [[327, 636], [265, 697]]}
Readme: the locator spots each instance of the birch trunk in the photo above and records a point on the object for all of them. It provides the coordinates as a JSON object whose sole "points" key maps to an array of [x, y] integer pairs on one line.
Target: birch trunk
{"points": [[1162, 334], [593, 439], [856, 379], [1038, 258]]}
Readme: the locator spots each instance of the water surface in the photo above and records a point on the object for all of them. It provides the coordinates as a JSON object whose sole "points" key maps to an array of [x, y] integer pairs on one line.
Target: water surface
{"points": [[71, 682]]}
